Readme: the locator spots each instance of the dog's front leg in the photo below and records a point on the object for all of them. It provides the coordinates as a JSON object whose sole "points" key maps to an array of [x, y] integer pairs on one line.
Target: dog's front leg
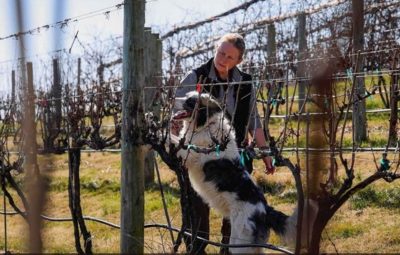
{"points": [[242, 233], [174, 139]]}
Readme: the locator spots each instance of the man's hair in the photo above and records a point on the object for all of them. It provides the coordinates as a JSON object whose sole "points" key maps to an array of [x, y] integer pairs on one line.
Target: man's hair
{"points": [[237, 41]]}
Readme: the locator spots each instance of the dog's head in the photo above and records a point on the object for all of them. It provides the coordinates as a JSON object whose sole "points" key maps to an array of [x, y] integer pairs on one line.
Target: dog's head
{"points": [[195, 106]]}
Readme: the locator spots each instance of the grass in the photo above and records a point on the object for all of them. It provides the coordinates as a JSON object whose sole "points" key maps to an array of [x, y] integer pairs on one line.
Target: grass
{"points": [[385, 198], [371, 216], [371, 230], [346, 230]]}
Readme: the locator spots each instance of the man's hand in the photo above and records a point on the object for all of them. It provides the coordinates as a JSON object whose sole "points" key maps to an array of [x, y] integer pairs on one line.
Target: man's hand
{"points": [[269, 168]]}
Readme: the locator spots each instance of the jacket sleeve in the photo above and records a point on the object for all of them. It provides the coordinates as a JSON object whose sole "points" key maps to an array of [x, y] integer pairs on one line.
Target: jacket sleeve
{"points": [[255, 121], [187, 84]]}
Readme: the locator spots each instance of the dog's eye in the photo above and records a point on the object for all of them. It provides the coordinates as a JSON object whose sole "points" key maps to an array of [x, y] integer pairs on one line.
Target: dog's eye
{"points": [[190, 103]]}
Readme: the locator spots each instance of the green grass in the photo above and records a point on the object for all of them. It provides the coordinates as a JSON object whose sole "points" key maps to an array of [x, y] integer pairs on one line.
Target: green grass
{"points": [[272, 188], [153, 199], [345, 230], [374, 102], [288, 196], [386, 198], [101, 198], [58, 184]]}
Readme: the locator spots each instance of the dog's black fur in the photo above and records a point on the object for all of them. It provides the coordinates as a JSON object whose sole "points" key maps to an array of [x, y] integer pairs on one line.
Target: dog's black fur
{"points": [[221, 180]]}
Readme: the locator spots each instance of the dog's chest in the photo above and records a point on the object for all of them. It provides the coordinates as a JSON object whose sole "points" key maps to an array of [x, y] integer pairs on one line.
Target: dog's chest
{"points": [[195, 161], [209, 192]]}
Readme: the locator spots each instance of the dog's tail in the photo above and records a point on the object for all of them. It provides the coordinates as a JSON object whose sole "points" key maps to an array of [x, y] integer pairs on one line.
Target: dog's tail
{"points": [[279, 222], [286, 226]]}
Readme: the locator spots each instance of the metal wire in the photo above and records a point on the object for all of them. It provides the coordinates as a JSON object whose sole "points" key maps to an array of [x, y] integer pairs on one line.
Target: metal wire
{"points": [[113, 225]]}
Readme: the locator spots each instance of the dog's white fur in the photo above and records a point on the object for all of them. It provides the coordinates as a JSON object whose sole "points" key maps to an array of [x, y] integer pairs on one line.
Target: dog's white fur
{"points": [[239, 212]]}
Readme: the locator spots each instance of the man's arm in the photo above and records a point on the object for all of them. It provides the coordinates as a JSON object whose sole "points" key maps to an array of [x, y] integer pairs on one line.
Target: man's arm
{"points": [[261, 143], [187, 84], [257, 132]]}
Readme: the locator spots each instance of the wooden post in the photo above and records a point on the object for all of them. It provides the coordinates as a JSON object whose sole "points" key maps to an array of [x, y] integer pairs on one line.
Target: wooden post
{"points": [[359, 115], [273, 71], [271, 47], [158, 72], [13, 102], [35, 183], [52, 112], [301, 68], [158, 63], [13, 88], [269, 70], [56, 96], [394, 99], [149, 92], [132, 149], [79, 74], [29, 126], [153, 61]]}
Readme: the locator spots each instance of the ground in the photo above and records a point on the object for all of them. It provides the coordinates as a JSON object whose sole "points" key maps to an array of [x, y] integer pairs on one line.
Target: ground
{"points": [[371, 218]]}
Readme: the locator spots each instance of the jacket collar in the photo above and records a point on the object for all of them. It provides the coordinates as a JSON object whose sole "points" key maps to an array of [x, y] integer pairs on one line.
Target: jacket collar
{"points": [[234, 74]]}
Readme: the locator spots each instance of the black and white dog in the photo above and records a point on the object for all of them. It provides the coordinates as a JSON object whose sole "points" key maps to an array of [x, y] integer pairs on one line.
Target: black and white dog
{"points": [[221, 180]]}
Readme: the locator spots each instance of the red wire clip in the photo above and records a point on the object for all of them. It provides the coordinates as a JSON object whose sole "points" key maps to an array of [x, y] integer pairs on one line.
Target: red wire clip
{"points": [[198, 87]]}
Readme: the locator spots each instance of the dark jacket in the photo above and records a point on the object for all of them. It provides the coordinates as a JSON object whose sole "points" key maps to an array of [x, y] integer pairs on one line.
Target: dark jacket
{"points": [[243, 105]]}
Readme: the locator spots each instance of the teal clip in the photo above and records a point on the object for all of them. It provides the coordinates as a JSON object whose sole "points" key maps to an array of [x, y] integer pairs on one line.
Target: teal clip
{"points": [[242, 158], [384, 165], [273, 162], [349, 73], [368, 95], [274, 102], [217, 150], [191, 146]]}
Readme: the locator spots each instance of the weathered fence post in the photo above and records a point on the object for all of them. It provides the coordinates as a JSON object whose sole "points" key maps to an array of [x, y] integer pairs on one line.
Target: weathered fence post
{"points": [[157, 66], [132, 149], [153, 65], [52, 111], [13, 88], [13, 103], [274, 71], [79, 74], [268, 73], [149, 98], [394, 100], [34, 180], [271, 53], [271, 43], [359, 115], [56, 93], [301, 68]]}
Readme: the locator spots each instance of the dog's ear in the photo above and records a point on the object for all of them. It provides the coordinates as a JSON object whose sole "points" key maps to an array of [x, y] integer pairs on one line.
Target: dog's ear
{"points": [[207, 108], [190, 103], [206, 100]]}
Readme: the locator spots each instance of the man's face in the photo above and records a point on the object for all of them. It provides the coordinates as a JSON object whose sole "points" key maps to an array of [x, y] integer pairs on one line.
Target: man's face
{"points": [[226, 57]]}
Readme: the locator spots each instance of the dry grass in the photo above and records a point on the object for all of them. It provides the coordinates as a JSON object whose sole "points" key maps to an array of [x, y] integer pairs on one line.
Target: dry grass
{"points": [[377, 229]]}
